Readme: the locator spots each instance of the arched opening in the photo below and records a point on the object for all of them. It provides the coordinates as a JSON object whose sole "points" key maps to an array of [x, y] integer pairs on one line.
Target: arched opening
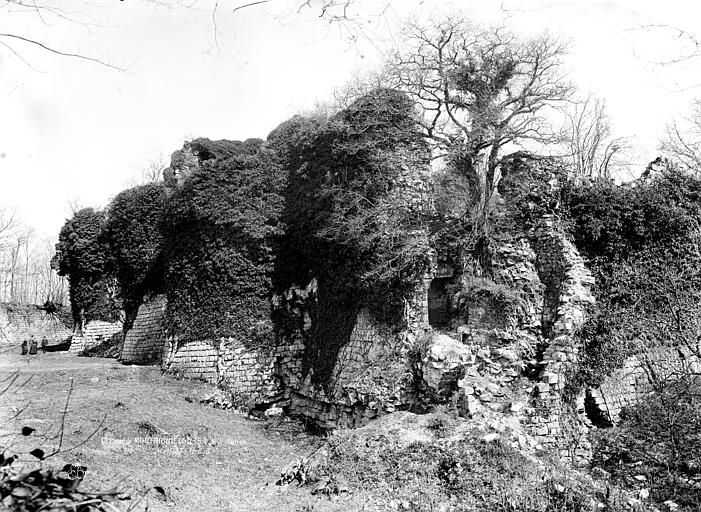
{"points": [[438, 313]]}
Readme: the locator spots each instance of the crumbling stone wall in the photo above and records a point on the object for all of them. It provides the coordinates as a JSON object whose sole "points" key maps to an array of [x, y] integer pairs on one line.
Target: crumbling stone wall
{"points": [[19, 322], [356, 392], [515, 264], [559, 424], [145, 342], [93, 333], [637, 377], [557, 285], [260, 376], [272, 374]]}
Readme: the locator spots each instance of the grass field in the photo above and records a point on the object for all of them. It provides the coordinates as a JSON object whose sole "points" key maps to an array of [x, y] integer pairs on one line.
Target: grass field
{"points": [[222, 460]]}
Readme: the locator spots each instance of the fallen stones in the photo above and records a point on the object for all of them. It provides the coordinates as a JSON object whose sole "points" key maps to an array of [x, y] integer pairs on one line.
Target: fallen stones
{"points": [[443, 364]]}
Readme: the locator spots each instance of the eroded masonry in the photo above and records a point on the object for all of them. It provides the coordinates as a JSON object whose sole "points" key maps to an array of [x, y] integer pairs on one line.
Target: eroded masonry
{"points": [[509, 364], [512, 372]]}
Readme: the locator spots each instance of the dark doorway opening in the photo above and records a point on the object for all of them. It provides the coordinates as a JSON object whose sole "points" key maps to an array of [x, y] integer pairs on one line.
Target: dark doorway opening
{"points": [[438, 300], [598, 418]]}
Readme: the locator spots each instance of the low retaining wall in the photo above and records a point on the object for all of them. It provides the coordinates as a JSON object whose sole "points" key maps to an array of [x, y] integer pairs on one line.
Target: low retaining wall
{"points": [[19, 322], [92, 334]]}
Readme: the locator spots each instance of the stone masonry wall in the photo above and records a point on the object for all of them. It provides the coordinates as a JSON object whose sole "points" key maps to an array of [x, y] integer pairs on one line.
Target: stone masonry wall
{"points": [[144, 342], [193, 360], [638, 376], [353, 396], [92, 334], [566, 299], [21, 322], [273, 374], [256, 376]]}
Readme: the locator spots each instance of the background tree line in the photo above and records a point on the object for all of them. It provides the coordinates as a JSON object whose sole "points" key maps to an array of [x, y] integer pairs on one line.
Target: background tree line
{"points": [[26, 275]]}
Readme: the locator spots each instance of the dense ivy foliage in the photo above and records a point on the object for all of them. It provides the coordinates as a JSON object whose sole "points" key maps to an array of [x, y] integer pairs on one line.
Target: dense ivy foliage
{"points": [[348, 214], [133, 234], [638, 239], [610, 223], [219, 229], [350, 218], [84, 257]]}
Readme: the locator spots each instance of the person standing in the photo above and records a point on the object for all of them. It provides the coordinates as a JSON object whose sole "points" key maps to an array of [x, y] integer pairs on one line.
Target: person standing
{"points": [[44, 344], [24, 347], [32, 346]]}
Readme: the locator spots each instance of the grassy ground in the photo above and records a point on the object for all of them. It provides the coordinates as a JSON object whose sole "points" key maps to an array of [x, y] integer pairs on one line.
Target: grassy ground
{"points": [[224, 461]]}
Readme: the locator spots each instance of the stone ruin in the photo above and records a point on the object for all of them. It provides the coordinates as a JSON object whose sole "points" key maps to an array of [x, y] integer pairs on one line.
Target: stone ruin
{"points": [[507, 370], [513, 377], [94, 333]]}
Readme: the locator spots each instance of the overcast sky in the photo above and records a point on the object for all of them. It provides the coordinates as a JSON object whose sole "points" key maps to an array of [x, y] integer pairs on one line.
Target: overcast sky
{"points": [[73, 130]]}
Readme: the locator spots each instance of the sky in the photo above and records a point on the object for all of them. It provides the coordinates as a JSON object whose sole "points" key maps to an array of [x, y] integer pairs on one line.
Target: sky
{"points": [[73, 131]]}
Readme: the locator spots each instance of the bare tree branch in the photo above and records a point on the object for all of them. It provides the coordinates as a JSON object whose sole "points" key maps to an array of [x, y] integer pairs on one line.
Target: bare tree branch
{"points": [[59, 52], [593, 150], [682, 140]]}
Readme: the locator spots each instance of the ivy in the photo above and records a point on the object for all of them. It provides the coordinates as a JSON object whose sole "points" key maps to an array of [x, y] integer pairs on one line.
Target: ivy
{"points": [[638, 241], [349, 218], [133, 233], [83, 255], [219, 228]]}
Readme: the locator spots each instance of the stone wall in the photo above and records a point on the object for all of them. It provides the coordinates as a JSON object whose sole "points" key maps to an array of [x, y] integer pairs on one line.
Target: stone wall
{"points": [[145, 342], [558, 423], [93, 333], [260, 376], [637, 377], [193, 360], [19, 322], [363, 385], [266, 375]]}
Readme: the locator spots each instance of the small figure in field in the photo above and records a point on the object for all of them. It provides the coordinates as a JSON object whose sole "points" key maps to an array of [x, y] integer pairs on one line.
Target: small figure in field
{"points": [[32, 346], [44, 344], [24, 347]]}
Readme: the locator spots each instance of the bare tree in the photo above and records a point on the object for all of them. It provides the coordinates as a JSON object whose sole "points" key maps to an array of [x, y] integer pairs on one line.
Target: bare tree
{"points": [[481, 89], [152, 172], [47, 12], [8, 224], [74, 205], [26, 275], [682, 140], [593, 149]]}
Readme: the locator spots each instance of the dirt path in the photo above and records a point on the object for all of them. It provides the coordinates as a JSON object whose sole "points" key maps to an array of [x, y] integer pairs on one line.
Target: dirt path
{"points": [[151, 430]]}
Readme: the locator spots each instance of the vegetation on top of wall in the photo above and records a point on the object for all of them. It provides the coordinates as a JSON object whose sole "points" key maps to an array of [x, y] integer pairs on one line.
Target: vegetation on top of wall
{"points": [[84, 257], [133, 233], [351, 219], [642, 244], [219, 229], [611, 222], [194, 152]]}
